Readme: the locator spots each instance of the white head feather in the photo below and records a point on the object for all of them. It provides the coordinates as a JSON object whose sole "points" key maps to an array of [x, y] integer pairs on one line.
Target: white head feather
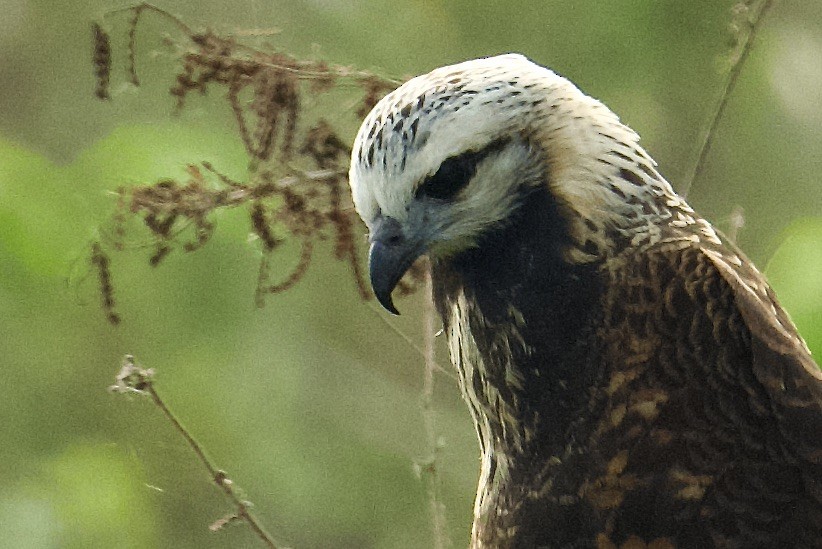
{"points": [[592, 163]]}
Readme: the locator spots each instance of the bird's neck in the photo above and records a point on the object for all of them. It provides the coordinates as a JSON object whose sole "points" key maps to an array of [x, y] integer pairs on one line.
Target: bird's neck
{"points": [[521, 322]]}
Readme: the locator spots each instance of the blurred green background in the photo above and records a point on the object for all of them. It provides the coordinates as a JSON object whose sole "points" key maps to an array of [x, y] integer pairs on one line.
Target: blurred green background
{"points": [[312, 403]]}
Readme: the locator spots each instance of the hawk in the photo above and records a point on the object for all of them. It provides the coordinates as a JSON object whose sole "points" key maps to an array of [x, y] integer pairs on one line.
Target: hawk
{"points": [[632, 378]]}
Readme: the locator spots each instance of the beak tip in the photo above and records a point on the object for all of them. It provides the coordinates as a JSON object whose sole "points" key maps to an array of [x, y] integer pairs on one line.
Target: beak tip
{"points": [[386, 267], [387, 303]]}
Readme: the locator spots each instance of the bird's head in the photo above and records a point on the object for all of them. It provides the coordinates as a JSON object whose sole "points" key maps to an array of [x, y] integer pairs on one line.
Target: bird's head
{"points": [[450, 155]]}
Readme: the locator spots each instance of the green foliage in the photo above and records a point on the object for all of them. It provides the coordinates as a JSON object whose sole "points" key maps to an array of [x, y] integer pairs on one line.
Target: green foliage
{"points": [[312, 403], [101, 492]]}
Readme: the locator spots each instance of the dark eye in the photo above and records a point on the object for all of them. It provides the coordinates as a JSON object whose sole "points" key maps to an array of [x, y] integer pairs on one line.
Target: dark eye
{"points": [[455, 172]]}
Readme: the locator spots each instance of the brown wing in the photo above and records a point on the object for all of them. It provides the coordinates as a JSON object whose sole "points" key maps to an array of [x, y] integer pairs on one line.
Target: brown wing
{"points": [[781, 363], [712, 434]]}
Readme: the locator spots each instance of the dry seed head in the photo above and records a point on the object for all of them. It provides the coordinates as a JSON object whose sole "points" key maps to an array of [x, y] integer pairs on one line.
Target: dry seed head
{"points": [[264, 90], [101, 60]]}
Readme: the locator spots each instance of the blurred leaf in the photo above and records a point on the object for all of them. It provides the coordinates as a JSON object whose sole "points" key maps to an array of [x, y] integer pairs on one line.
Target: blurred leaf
{"points": [[795, 272], [100, 498], [30, 206], [28, 522]]}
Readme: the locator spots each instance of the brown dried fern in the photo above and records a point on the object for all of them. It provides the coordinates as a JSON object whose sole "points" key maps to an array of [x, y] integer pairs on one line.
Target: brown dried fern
{"points": [[265, 91]]}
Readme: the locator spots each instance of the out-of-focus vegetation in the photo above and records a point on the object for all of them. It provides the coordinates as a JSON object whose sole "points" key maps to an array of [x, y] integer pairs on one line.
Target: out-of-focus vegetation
{"points": [[312, 403]]}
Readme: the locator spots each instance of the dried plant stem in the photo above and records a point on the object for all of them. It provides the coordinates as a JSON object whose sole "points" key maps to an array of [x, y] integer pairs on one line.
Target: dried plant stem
{"points": [[379, 314], [134, 379], [218, 476], [102, 60], [100, 260], [147, 6], [745, 48], [265, 90], [430, 470]]}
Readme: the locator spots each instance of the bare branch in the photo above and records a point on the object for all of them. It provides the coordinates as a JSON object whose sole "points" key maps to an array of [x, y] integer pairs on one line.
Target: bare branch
{"points": [[753, 21], [304, 202], [134, 379], [429, 469]]}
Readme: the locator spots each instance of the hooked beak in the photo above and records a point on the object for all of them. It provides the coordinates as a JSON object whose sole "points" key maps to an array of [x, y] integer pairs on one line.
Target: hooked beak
{"points": [[390, 255]]}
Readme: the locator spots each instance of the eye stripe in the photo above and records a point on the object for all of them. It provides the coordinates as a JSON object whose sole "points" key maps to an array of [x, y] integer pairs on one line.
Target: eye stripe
{"points": [[456, 172]]}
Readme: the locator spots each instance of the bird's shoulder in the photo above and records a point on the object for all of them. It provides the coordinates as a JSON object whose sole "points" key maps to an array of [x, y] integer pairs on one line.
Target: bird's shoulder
{"points": [[718, 277], [711, 298], [713, 404]]}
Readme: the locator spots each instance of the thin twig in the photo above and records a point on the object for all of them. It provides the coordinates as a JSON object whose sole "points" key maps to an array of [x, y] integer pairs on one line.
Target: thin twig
{"points": [[755, 23], [341, 71], [430, 469], [135, 379], [151, 7], [379, 314]]}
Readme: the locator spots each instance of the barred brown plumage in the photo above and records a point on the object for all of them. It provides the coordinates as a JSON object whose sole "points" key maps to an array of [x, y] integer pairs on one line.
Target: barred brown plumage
{"points": [[631, 375]]}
